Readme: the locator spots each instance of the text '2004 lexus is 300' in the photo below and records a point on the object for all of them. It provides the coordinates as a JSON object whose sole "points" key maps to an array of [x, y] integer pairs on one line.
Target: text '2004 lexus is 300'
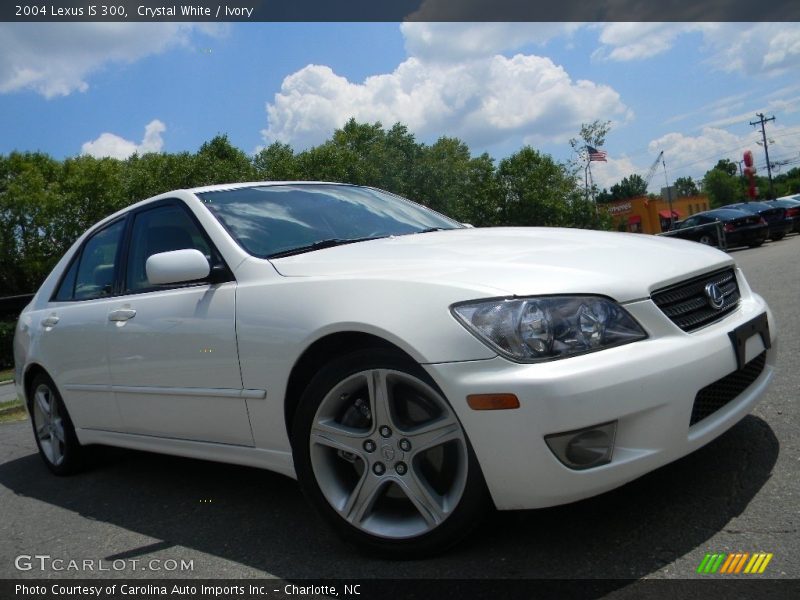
{"points": [[408, 370]]}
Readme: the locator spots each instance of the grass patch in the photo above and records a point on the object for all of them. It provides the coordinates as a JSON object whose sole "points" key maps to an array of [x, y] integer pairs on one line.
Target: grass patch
{"points": [[6, 375], [12, 410], [10, 404]]}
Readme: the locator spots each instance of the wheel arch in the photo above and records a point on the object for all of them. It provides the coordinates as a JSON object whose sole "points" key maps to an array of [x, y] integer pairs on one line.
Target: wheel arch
{"points": [[31, 371], [318, 353]]}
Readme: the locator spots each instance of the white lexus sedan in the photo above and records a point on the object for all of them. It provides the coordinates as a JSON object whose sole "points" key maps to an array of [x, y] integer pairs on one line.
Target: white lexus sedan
{"points": [[408, 370]]}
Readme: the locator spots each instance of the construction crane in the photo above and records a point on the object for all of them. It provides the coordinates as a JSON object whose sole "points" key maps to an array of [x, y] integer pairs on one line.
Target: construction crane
{"points": [[652, 171]]}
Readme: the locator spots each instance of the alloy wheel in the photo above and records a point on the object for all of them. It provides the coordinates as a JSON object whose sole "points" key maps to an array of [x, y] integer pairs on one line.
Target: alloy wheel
{"points": [[49, 424], [388, 453]]}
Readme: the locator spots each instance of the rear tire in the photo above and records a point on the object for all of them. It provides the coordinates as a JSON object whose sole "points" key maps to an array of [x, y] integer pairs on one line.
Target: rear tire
{"points": [[382, 456], [707, 240], [53, 430]]}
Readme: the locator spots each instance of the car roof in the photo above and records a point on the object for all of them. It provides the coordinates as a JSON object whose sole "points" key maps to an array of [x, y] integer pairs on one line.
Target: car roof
{"points": [[726, 213], [743, 205], [235, 186]]}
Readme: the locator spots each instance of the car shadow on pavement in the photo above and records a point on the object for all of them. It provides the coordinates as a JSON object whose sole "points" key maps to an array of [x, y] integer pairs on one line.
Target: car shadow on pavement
{"points": [[261, 520]]}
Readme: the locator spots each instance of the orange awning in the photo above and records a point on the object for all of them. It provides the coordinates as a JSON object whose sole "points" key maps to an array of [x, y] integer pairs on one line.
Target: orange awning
{"points": [[633, 219], [664, 214]]}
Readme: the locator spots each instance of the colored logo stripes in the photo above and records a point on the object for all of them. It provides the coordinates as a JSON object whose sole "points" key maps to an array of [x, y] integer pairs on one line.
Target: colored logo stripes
{"points": [[734, 563]]}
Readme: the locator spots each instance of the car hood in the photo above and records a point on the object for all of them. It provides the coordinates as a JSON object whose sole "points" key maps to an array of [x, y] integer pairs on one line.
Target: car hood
{"points": [[517, 261]]}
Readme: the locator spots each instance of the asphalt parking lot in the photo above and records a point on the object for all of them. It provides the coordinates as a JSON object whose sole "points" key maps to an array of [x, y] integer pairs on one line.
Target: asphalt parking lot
{"points": [[740, 493]]}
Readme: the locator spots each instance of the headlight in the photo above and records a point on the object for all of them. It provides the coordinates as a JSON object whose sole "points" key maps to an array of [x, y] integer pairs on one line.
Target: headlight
{"points": [[548, 327]]}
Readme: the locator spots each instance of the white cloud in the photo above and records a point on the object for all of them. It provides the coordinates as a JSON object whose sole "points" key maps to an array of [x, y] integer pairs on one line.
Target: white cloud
{"points": [[55, 59], [606, 174], [637, 41], [455, 41], [688, 155], [482, 100], [760, 49], [114, 146]]}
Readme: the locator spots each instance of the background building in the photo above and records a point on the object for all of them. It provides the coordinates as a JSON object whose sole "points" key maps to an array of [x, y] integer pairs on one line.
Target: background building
{"points": [[651, 215]]}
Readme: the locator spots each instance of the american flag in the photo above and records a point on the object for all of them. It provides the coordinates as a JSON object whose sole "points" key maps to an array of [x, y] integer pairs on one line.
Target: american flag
{"points": [[596, 155]]}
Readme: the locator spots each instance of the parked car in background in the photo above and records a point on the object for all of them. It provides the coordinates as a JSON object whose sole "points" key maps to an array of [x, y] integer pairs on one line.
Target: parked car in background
{"points": [[775, 216], [409, 371], [738, 227], [792, 207]]}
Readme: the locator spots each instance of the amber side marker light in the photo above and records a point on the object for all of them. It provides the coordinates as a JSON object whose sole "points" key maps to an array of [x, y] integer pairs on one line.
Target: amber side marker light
{"points": [[492, 401]]}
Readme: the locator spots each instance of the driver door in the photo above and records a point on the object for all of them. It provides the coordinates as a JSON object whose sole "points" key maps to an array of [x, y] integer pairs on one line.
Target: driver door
{"points": [[172, 348]]}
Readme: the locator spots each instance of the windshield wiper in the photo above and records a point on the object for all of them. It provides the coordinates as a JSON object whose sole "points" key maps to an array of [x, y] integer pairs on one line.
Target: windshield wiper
{"points": [[329, 243], [430, 229]]}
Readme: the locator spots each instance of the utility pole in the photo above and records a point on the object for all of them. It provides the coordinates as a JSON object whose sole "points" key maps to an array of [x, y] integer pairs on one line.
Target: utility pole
{"points": [[743, 178], [669, 192], [762, 121]]}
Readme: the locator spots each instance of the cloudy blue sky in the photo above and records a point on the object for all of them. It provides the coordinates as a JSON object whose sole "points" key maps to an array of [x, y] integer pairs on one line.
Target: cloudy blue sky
{"points": [[688, 89]]}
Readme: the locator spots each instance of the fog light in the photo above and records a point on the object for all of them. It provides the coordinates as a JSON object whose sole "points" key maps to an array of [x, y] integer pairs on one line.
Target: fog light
{"points": [[584, 448]]}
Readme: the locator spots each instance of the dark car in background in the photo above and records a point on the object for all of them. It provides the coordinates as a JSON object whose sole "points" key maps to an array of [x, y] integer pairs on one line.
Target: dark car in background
{"points": [[775, 216], [792, 207], [738, 227]]}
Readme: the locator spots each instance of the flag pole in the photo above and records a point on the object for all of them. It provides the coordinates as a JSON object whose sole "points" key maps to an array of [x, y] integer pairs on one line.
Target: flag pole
{"points": [[586, 179]]}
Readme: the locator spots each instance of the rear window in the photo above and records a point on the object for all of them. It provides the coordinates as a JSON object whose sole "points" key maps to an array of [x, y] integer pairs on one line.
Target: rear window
{"points": [[726, 214]]}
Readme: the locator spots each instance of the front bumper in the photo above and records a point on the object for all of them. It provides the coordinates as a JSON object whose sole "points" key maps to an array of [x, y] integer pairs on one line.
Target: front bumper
{"points": [[648, 387]]}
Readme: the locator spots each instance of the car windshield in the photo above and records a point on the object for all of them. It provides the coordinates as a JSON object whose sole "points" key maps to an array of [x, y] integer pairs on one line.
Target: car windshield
{"points": [[278, 220]]}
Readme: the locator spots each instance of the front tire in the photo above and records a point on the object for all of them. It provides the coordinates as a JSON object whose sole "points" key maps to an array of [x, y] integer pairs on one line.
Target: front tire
{"points": [[777, 237], [382, 456], [53, 431]]}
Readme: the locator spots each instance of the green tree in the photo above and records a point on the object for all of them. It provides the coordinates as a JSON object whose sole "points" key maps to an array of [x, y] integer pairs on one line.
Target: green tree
{"points": [[721, 187], [29, 204], [443, 175], [686, 187], [591, 134], [155, 173], [536, 189], [218, 161], [91, 189], [726, 166], [788, 183], [632, 186], [276, 162]]}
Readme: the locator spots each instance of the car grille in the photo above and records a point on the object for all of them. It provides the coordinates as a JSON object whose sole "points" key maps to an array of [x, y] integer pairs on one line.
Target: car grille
{"points": [[716, 395], [686, 303]]}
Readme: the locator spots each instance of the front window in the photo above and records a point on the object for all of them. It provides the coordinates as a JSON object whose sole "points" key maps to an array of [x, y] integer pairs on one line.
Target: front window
{"points": [[160, 229], [272, 221]]}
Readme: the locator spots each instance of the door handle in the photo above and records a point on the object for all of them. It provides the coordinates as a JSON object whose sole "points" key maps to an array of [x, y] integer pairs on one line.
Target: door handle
{"points": [[50, 321], [122, 314]]}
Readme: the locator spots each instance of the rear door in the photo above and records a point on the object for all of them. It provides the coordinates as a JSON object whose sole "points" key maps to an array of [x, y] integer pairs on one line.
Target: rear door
{"points": [[172, 348], [73, 339]]}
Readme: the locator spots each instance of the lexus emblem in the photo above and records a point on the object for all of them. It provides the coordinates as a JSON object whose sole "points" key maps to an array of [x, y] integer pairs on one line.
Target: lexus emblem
{"points": [[715, 296], [388, 453]]}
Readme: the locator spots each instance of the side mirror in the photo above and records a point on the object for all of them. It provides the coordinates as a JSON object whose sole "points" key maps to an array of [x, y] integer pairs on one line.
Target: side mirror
{"points": [[177, 266]]}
